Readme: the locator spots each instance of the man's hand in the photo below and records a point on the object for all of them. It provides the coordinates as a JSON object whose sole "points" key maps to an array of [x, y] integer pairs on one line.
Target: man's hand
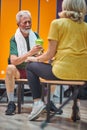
{"points": [[36, 49]]}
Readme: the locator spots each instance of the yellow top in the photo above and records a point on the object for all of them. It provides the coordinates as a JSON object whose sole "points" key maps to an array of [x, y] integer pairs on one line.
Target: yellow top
{"points": [[70, 61]]}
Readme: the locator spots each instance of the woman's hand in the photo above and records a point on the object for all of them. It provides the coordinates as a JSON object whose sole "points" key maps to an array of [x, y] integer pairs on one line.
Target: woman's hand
{"points": [[31, 58]]}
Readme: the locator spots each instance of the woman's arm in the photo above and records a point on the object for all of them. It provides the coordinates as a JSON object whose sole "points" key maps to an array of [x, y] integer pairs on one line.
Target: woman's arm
{"points": [[48, 55]]}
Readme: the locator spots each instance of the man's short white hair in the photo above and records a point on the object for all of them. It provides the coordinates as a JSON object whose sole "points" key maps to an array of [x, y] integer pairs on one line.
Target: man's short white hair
{"points": [[22, 13]]}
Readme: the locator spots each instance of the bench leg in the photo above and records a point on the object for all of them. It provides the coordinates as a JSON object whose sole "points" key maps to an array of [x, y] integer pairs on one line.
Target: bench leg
{"points": [[48, 103], [19, 97], [74, 108], [73, 96], [43, 91], [61, 93], [22, 93]]}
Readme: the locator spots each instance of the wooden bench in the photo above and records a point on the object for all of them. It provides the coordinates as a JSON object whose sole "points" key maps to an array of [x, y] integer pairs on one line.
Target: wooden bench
{"points": [[20, 83], [76, 86]]}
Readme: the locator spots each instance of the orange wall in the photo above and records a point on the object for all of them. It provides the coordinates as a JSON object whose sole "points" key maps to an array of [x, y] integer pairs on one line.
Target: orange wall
{"points": [[32, 6], [47, 14], [9, 9]]}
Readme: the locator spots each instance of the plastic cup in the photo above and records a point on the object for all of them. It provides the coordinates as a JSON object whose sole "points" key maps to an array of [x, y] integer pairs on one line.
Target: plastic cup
{"points": [[39, 41]]}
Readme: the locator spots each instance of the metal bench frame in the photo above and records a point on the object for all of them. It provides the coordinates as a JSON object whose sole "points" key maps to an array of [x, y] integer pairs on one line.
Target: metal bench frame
{"points": [[76, 86]]}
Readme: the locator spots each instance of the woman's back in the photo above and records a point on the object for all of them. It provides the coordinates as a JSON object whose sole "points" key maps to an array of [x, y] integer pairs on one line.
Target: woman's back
{"points": [[71, 57]]}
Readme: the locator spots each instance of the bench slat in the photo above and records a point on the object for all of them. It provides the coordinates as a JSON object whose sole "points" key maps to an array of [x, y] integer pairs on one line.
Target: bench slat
{"points": [[60, 82], [63, 82]]}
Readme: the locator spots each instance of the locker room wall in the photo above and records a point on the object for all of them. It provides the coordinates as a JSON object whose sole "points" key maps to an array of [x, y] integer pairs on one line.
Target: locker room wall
{"points": [[9, 8]]}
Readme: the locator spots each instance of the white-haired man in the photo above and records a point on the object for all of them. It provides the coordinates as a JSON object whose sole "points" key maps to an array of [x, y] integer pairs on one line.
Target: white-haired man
{"points": [[22, 45]]}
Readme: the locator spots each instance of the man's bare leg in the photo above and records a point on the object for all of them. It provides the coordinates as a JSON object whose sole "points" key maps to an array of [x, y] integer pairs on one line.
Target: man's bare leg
{"points": [[11, 74]]}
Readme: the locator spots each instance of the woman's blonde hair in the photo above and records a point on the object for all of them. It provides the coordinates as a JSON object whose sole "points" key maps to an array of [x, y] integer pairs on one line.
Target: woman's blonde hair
{"points": [[74, 9]]}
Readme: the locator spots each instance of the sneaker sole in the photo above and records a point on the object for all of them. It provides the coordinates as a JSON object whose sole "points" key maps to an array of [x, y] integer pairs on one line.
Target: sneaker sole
{"points": [[37, 115], [10, 113]]}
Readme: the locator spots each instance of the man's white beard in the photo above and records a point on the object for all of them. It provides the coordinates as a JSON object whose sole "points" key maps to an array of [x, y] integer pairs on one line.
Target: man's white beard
{"points": [[26, 31]]}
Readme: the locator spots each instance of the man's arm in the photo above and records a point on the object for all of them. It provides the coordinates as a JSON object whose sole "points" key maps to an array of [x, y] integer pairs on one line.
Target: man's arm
{"points": [[15, 59]]}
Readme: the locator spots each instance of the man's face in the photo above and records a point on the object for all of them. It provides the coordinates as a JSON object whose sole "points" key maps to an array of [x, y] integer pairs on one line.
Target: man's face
{"points": [[25, 24]]}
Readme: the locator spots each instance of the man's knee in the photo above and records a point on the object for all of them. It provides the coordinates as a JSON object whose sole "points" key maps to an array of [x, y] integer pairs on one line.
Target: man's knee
{"points": [[10, 69]]}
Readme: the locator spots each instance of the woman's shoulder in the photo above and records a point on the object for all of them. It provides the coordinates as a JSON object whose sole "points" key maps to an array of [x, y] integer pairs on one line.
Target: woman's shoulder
{"points": [[62, 20]]}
